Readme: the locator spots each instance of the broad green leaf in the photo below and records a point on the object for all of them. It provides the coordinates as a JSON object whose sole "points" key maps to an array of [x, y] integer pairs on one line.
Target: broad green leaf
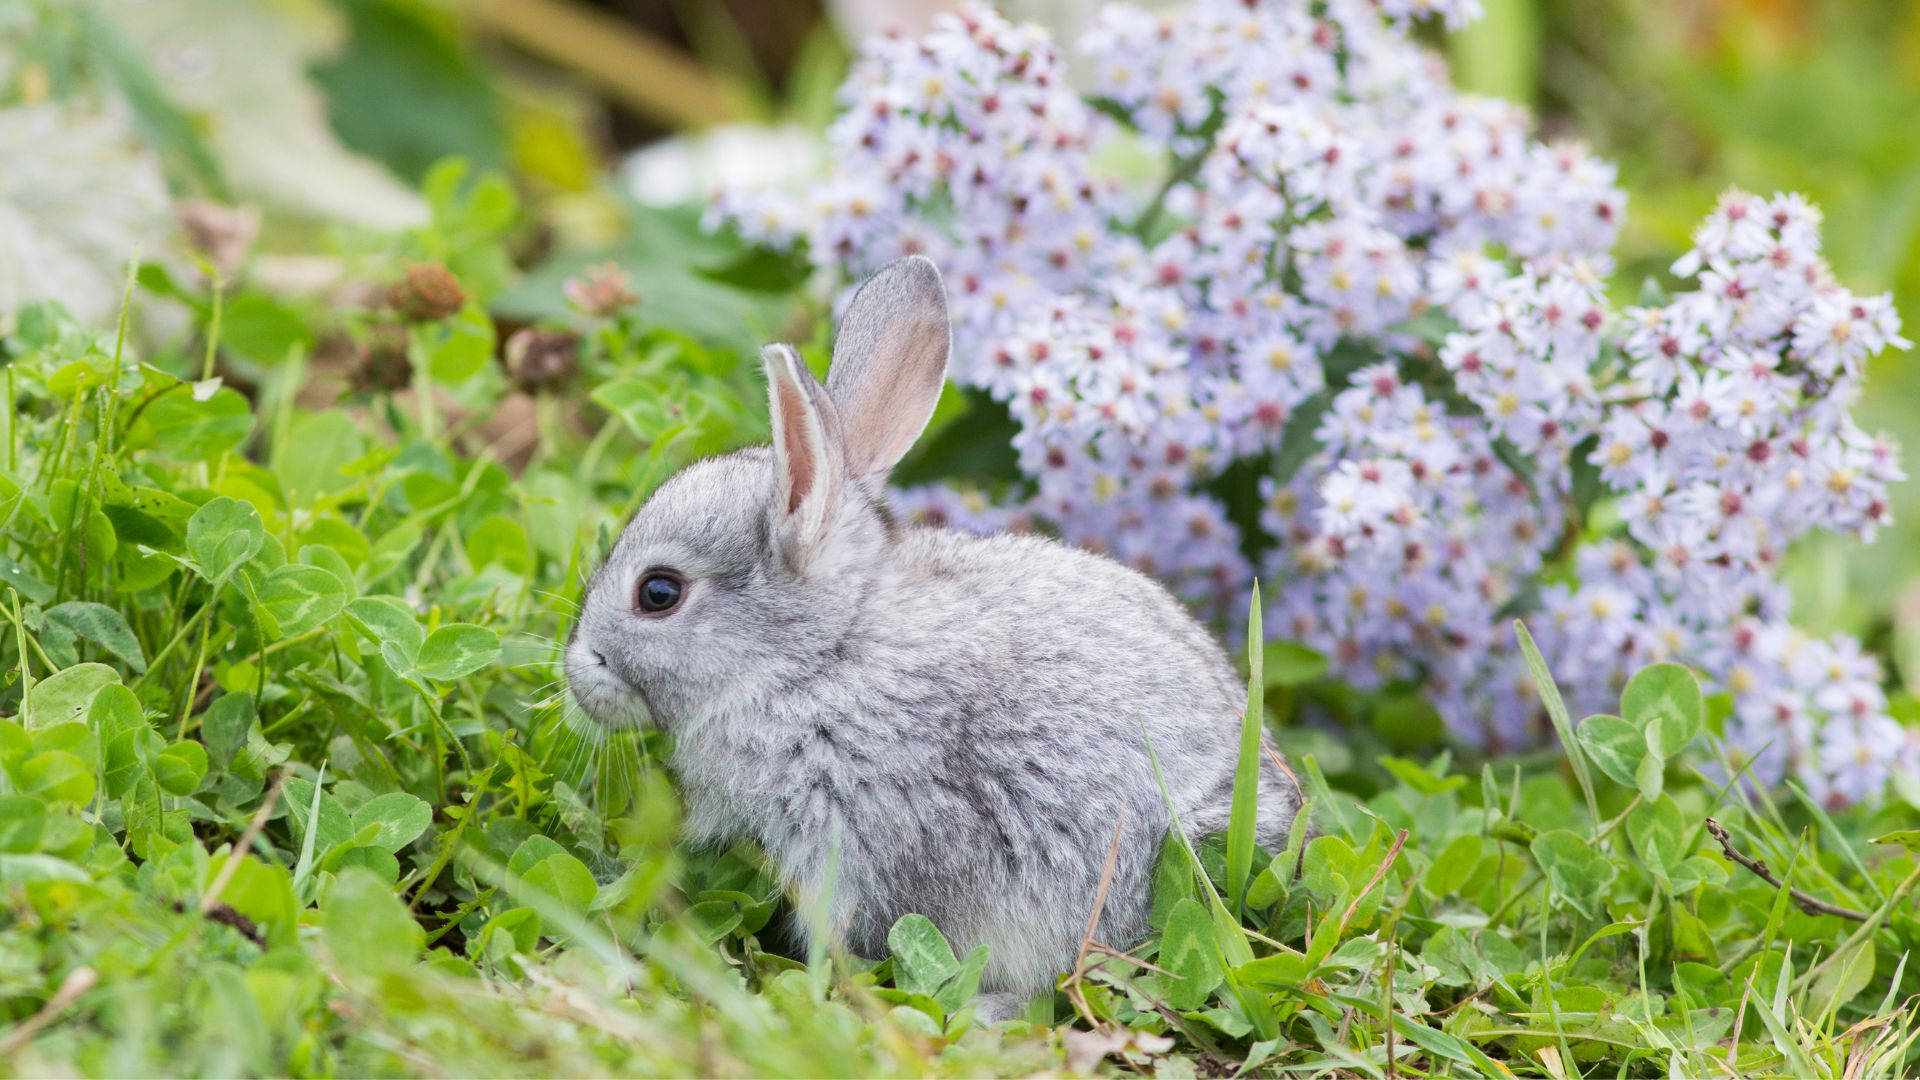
{"points": [[297, 598], [19, 869], [1667, 695], [177, 425], [1278, 971], [1578, 873], [263, 893], [392, 627], [66, 695], [104, 627], [1188, 952], [1172, 882], [56, 776], [224, 726], [1658, 833], [530, 852], [455, 650], [400, 818], [366, 928], [1453, 865], [1614, 746], [1650, 775], [960, 988], [377, 861], [1289, 663], [23, 581], [23, 820], [15, 743], [223, 535], [179, 768], [461, 346], [1420, 778], [922, 959]]}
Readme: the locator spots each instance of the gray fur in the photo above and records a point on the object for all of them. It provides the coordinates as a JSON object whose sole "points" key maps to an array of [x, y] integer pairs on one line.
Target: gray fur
{"points": [[941, 724]]}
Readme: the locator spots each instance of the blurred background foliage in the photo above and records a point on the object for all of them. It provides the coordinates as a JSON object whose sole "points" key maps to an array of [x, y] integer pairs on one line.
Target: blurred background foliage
{"points": [[615, 117]]}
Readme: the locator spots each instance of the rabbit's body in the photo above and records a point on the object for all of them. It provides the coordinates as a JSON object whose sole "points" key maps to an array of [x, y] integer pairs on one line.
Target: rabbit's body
{"points": [[917, 720]]}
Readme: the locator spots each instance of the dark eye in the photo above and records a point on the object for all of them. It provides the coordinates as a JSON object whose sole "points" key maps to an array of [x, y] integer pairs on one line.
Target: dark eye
{"points": [[659, 592]]}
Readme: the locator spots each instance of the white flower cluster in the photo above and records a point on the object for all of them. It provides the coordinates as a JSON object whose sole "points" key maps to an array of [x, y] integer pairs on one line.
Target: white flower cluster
{"points": [[1348, 249]]}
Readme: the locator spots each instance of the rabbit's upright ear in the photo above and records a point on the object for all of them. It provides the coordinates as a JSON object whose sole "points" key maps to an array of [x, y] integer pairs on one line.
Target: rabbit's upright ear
{"points": [[889, 360], [809, 462]]}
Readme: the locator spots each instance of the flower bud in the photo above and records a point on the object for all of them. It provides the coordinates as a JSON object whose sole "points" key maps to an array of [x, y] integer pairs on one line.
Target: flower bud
{"points": [[603, 290], [540, 358], [427, 293]]}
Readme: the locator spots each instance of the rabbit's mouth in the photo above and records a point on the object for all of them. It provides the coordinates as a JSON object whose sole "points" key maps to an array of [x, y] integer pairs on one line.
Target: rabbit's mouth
{"points": [[603, 693]]}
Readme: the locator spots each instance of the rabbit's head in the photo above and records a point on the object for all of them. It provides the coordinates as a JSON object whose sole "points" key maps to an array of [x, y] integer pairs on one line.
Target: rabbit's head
{"points": [[749, 569]]}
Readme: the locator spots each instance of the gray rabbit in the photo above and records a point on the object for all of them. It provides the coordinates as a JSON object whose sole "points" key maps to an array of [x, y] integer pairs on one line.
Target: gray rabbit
{"points": [[910, 719]]}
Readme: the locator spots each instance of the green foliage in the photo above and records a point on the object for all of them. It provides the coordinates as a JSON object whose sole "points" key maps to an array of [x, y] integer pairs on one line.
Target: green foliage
{"points": [[287, 784]]}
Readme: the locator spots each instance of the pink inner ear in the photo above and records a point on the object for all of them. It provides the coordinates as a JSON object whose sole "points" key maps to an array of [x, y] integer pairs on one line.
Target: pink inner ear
{"points": [[793, 430]]}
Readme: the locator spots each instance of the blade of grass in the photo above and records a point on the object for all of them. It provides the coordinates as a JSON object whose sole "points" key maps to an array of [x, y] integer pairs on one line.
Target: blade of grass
{"points": [[304, 868], [1246, 771], [1229, 936], [1557, 712]]}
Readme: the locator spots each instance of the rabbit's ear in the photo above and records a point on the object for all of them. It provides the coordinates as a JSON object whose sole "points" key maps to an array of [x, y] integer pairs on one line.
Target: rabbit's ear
{"points": [[809, 463], [889, 360]]}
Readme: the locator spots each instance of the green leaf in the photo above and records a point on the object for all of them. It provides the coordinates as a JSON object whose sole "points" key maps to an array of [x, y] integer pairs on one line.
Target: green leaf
{"points": [[565, 879], [224, 726], [1453, 865], [1246, 773], [1578, 873], [1557, 712], [392, 627], [1664, 698], [257, 326], [1650, 774], [23, 820], [66, 695], [18, 869], [1906, 838], [263, 893], [335, 825], [179, 426], [179, 768], [455, 650], [399, 817], [55, 776], [530, 852], [104, 627], [223, 535], [922, 959], [297, 598], [366, 928], [1188, 952], [401, 52], [1614, 745], [23, 581], [965, 983], [1659, 834], [1289, 663], [462, 346]]}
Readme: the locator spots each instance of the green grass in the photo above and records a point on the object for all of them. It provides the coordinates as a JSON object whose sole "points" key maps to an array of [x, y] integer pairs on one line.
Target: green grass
{"points": [[287, 783]]}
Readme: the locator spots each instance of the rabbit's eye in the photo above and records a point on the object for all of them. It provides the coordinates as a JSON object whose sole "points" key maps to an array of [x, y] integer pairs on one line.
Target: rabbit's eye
{"points": [[659, 592]]}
